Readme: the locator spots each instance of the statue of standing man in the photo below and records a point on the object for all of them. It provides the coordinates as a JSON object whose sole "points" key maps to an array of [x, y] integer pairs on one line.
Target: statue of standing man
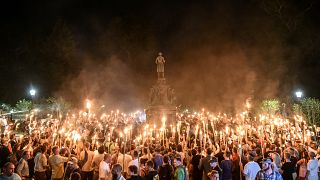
{"points": [[160, 66]]}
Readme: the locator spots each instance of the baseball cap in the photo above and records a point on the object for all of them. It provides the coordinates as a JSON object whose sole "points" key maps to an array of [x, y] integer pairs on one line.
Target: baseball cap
{"points": [[266, 160]]}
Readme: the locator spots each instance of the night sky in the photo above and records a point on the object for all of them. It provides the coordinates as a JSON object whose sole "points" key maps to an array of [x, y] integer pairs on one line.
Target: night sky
{"points": [[218, 53]]}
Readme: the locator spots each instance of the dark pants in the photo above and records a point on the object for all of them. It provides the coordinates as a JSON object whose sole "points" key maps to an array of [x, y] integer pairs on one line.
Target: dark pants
{"points": [[40, 175], [86, 175], [96, 175]]}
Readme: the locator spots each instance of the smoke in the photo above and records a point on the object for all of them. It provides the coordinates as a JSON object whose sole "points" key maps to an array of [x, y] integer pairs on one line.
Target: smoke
{"points": [[222, 82], [110, 85], [216, 58]]}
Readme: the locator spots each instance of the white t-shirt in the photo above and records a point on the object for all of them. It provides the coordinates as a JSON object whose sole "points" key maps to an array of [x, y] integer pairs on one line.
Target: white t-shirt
{"points": [[250, 170], [104, 170], [14, 176], [312, 167]]}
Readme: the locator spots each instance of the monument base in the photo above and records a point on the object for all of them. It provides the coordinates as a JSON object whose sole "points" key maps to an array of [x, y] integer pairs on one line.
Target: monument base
{"points": [[155, 115]]}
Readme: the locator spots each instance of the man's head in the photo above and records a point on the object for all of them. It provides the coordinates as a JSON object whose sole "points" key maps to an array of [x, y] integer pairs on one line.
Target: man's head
{"points": [[116, 171], [194, 152], [287, 155], [8, 169], [250, 157], [143, 162], [63, 151], [235, 150], [116, 150], [291, 151], [150, 164], [266, 164], [107, 158], [209, 151], [157, 150], [227, 154], [26, 155], [312, 155], [101, 150], [177, 161], [166, 159], [43, 148], [133, 170], [55, 150], [135, 154]]}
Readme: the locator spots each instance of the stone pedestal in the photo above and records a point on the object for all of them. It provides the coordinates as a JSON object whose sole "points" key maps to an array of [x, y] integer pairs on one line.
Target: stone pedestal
{"points": [[162, 101], [161, 104], [155, 114]]}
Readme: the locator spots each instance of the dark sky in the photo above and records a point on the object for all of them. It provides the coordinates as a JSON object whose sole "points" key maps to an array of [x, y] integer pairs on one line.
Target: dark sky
{"points": [[218, 52]]}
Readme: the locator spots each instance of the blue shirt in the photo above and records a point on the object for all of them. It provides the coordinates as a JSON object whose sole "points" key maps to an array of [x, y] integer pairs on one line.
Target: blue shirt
{"points": [[226, 166]]}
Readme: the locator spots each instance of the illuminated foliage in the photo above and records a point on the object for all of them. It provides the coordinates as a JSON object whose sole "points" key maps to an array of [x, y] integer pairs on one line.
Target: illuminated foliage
{"points": [[270, 106]]}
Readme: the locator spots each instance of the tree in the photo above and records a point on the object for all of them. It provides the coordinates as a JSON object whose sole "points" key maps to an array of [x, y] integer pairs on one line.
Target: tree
{"points": [[296, 108], [58, 106], [270, 106], [23, 105], [311, 109], [287, 13], [5, 108]]}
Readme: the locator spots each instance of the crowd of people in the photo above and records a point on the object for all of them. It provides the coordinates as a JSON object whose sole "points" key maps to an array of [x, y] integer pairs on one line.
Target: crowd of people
{"points": [[37, 159]]}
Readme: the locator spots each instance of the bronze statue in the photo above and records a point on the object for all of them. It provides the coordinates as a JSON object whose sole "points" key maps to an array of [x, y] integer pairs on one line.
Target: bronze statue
{"points": [[160, 66]]}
